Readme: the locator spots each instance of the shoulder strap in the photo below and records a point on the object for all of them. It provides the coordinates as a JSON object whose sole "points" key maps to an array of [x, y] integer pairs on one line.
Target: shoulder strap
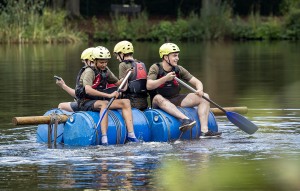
{"points": [[79, 73], [160, 70]]}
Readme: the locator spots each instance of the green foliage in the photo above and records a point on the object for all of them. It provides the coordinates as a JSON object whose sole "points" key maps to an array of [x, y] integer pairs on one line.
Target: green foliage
{"points": [[194, 32], [132, 28], [289, 5], [120, 27], [29, 21], [292, 24], [102, 29], [162, 31], [232, 174], [257, 30], [215, 20]]}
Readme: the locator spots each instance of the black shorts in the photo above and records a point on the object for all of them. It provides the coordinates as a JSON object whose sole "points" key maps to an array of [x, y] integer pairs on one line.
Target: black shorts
{"points": [[74, 106], [88, 105]]}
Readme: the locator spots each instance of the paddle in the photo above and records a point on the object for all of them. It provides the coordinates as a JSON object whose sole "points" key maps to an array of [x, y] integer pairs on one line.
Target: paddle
{"points": [[112, 99], [235, 118]]}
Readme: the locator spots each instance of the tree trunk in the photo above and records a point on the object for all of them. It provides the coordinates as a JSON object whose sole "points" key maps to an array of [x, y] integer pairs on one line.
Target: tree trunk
{"points": [[207, 6], [73, 8], [58, 4]]}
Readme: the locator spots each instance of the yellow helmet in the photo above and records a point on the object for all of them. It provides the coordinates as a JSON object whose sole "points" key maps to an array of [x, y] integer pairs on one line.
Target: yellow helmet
{"points": [[87, 53], [124, 47], [100, 52], [168, 48]]}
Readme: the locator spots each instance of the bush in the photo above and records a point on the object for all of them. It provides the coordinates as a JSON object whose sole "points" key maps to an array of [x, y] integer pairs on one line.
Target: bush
{"points": [[292, 24], [30, 21]]}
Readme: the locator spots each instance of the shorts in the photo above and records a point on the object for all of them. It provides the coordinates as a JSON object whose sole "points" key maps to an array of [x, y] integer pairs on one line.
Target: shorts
{"points": [[74, 106], [139, 103], [176, 100], [88, 105]]}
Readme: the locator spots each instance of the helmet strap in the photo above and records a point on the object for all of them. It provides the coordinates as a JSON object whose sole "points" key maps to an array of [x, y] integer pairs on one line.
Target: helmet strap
{"points": [[121, 57], [168, 61]]}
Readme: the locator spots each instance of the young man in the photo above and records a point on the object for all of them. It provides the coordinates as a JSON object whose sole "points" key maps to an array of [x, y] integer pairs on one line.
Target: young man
{"points": [[86, 58], [89, 90], [166, 90], [136, 90]]}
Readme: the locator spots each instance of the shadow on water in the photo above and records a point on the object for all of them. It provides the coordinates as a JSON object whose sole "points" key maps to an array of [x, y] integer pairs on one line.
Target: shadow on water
{"points": [[262, 76]]}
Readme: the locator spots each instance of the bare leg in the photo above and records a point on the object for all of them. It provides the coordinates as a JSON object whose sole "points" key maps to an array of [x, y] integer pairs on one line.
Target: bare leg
{"points": [[168, 107], [203, 112], [65, 106], [101, 105], [124, 104], [192, 100]]}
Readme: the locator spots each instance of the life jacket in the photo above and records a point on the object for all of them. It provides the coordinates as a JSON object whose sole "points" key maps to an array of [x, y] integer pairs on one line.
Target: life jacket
{"points": [[137, 82], [79, 89], [169, 88], [100, 84]]}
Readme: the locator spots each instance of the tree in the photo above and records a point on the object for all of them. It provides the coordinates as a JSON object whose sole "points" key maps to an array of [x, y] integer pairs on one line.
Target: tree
{"points": [[71, 6]]}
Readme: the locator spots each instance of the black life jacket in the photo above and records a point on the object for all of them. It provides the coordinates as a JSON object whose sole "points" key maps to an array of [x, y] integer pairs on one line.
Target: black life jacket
{"points": [[169, 88], [137, 82], [79, 89], [99, 83]]}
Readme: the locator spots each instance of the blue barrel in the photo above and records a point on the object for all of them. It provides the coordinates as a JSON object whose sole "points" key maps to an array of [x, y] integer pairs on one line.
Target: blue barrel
{"points": [[141, 125], [164, 127], [42, 130], [80, 129]]}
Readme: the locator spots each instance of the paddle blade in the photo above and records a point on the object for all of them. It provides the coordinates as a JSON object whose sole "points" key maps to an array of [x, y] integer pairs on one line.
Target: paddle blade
{"points": [[241, 122]]}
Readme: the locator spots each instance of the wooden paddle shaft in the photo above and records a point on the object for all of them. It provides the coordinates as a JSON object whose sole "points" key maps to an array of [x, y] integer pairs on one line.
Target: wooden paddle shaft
{"points": [[35, 120], [240, 110]]}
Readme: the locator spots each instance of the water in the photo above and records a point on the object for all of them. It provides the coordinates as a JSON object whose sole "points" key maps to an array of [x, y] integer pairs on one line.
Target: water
{"points": [[262, 76]]}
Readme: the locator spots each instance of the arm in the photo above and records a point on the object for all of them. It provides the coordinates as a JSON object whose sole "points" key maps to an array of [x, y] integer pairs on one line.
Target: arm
{"points": [[87, 79], [90, 91], [123, 71], [198, 84], [65, 87], [153, 82], [119, 83]]}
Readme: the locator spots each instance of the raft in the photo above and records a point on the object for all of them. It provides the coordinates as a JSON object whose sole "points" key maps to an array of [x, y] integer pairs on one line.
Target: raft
{"points": [[151, 125]]}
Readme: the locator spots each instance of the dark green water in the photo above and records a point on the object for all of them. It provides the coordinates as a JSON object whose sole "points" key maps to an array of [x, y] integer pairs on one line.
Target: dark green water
{"points": [[263, 76]]}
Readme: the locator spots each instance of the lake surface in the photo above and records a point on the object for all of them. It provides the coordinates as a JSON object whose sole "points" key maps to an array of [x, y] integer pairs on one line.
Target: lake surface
{"points": [[264, 76]]}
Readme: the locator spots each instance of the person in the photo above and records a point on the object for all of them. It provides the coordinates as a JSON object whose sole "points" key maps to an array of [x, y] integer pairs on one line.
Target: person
{"points": [[166, 90], [136, 90], [88, 62], [90, 94]]}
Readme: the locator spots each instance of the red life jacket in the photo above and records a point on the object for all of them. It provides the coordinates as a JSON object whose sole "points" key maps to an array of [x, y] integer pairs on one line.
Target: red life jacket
{"points": [[137, 82], [99, 83]]}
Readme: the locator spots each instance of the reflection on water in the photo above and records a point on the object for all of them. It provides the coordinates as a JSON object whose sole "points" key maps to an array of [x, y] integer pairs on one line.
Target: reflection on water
{"points": [[262, 76]]}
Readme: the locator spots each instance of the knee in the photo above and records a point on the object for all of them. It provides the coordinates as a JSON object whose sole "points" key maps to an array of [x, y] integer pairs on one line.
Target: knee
{"points": [[205, 101], [100, 104], [60, 106], [158, 99], [126, 103]]}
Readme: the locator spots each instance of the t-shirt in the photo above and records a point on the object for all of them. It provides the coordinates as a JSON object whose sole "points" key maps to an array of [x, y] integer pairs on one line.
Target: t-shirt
{"points": [[88, 77], [184, 74], [123, 68]]}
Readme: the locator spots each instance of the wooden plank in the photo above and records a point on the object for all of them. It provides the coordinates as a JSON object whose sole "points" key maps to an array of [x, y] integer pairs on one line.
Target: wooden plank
{"points": [[240, 110], [35, 120]]}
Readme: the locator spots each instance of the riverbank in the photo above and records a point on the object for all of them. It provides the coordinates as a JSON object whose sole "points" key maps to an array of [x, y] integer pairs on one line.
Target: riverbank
{"points": [[37, 24]]}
